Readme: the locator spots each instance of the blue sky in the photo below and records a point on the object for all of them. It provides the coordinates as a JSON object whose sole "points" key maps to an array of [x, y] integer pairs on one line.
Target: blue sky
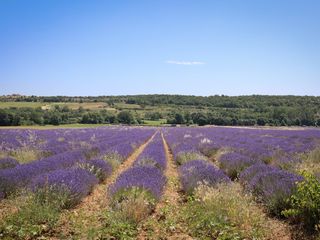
{"points": [[231, 47]]}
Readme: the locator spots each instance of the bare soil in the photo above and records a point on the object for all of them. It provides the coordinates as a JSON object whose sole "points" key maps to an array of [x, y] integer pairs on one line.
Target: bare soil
{"points": [[159, 224]]}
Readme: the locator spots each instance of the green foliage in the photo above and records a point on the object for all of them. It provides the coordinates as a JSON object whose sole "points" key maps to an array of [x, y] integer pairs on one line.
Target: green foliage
{"points": [[176, 109], [114, 158], [153, 116], [92, 169], [128, 208], [126, 117], [92, 117], [133, 204], [117, 227], [184, 157], [224, 213], [310, 163], [37, 215], [305, 203]]}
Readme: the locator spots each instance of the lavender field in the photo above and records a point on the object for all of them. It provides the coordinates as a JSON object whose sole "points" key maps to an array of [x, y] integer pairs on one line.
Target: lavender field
{"points": [[123, 182]]}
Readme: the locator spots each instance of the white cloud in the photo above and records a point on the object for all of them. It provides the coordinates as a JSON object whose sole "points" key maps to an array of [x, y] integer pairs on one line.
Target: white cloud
{"points": [[185, 62]]}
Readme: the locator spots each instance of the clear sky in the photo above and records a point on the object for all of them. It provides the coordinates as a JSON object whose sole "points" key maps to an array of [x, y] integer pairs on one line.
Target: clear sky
{"points": [[113, 47]]}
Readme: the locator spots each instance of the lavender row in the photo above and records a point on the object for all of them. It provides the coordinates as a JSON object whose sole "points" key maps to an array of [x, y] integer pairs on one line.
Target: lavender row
{"points": [[259, 144], [194, 167], [146, 172], [247, 162], [56, 141], [20, 176], [77, 182], [153, 154]]}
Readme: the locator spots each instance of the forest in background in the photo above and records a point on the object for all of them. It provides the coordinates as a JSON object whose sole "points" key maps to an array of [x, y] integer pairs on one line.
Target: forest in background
{"points": [[16, 110]]}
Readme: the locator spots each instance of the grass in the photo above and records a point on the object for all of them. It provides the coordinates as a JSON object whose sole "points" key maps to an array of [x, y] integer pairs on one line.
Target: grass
{"points": [[35, 216], [20, 104], [154, 122], [209, 217], [127, 106], [121, 220], [25, 154], [71, 105], [310, 162], [184, 157]]}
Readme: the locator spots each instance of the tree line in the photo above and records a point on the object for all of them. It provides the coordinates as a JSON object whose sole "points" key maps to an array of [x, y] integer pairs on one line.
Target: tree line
{"points": [[175, 109], [57, 116]]}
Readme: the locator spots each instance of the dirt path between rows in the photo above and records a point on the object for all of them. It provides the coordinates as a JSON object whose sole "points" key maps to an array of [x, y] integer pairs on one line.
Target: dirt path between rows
{"points": [[85, 218], [159, 224]]}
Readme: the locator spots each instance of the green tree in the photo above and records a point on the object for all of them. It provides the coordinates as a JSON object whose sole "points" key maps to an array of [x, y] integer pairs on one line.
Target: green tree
{"points": [[125, 117]]}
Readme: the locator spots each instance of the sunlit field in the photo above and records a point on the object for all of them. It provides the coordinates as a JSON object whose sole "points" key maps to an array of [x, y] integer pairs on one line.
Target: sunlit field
{"points": [[121, 182]]}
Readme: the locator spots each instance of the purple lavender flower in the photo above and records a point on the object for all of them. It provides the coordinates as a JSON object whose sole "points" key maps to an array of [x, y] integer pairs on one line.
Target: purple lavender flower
{"points": [[75, 183], [153, 154], [233, 163], [12, 179], [274, 188], [8, 163], [285, 162], [145, 177], [248, 174], [197, 172]]}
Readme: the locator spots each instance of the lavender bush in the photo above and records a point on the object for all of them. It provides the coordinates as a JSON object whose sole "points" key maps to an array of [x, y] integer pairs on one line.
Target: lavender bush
{"points": [[8, 163], [74, 183], [12, 179], [145, 177], [248, 174], [273, 188], [100, 168], [233, 163], [196, 172]]}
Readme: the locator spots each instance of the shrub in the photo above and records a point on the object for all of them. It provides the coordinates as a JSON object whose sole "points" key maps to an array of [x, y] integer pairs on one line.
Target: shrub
{"points": [[273, 188], [233, 163], [133, 204], [100, 168], [144, 177], [285, 162], [207, 148], [8, 163], [249, 173], [184, 157], [114, 158], [75, 183], [196, 172], [13, 179], [305, 203], [129, 206]]}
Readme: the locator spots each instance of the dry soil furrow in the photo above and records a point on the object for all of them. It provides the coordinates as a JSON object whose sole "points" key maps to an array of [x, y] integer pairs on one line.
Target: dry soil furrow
{"points": [[85, 217], [161, 224]]}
